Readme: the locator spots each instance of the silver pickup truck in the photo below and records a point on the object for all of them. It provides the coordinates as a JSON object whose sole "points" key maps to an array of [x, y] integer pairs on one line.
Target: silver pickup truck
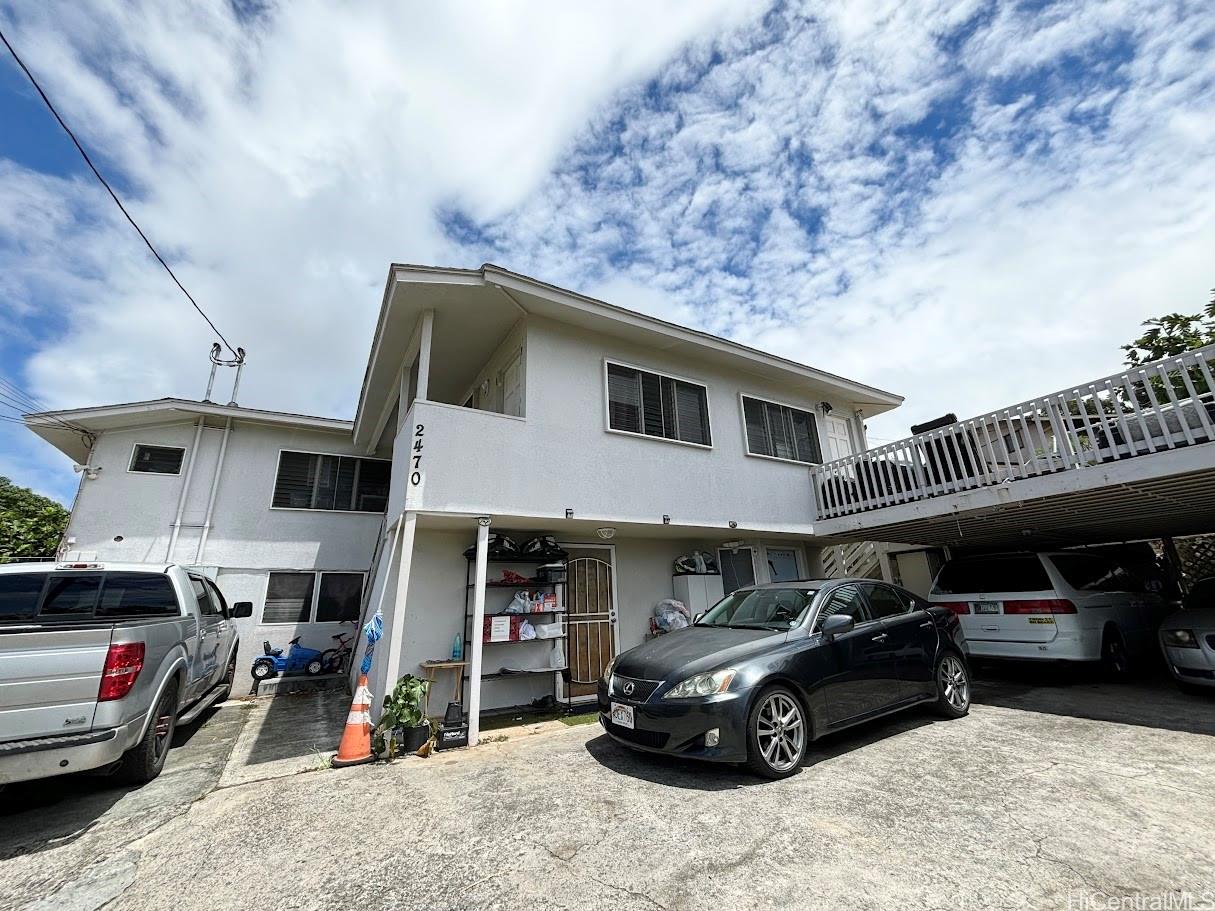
{"points": [[99, 662]]}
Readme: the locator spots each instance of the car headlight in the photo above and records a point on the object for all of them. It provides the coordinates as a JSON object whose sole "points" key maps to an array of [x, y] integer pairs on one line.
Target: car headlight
{"points": [[702, 685], [607, 671], [1179, 638]]}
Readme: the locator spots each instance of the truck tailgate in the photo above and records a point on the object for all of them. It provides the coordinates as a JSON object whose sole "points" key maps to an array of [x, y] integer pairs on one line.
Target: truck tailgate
{"points": [[49, 680]]}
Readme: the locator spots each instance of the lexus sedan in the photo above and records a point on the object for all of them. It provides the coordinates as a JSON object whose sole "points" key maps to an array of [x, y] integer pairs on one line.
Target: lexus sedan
{"points": [[772, 667], [1187, 639]]}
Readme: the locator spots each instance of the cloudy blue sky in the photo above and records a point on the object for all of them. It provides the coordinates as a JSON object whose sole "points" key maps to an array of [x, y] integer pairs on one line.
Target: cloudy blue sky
{"points": [[969, 203]]}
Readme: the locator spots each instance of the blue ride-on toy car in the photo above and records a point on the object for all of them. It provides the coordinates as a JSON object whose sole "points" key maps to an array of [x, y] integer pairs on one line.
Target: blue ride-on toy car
{"points": [[299, 660]]}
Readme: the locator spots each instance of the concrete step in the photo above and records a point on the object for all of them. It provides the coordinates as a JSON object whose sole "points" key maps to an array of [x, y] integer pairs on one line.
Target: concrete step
{"points": [[298, 683]]}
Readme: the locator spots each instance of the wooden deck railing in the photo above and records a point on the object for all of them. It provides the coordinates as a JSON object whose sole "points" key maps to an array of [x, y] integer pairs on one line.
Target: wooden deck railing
{"points": [[1161, 405]]}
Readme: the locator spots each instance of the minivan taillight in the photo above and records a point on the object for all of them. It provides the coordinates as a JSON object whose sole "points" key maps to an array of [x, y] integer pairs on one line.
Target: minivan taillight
{"points": [[1040, 606], [123, 662], [958, 607]]}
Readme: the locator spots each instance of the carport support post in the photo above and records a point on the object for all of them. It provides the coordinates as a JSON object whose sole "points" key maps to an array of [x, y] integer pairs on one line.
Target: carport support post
{"points": [[478, 624], [396, 623]]}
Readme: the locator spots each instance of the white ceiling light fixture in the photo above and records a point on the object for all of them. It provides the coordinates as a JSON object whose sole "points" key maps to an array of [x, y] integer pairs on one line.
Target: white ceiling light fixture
{"points": [[606, 532]]}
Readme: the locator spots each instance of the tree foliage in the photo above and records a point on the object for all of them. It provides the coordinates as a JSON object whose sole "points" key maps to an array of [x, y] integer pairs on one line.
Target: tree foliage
{"points": [[1173, 334], [31, 525]]}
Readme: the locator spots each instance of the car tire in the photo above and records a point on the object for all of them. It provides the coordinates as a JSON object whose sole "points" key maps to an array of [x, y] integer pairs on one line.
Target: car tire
{"points": [[1115, 659], [769, 744], [143, 762], [263, 669], [229, 679], [952, 678]]}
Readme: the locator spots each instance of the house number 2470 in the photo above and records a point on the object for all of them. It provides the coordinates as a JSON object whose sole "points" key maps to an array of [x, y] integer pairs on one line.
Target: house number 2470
{"points": [[415, 476]]}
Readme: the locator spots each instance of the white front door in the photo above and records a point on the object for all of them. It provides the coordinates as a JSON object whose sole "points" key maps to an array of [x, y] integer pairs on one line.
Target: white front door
{"points": [[839, 442]]}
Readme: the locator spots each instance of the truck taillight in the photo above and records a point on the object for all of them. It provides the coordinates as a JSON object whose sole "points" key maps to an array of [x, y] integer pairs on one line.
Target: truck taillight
{"points": [[123, 662], [1040, 606], [958, 607]]}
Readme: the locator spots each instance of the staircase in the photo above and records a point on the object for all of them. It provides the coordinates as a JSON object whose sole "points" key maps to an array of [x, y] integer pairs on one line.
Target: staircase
{"points": [[857, 559]]}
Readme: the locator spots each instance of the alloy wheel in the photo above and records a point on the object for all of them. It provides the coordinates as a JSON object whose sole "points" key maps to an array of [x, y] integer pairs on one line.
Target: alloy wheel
{"points": [[164, 729], [954, 685], [780, 732]]}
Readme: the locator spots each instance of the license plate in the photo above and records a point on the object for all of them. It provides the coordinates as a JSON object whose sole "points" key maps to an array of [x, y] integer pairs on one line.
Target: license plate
{"points": [[987, 607], [622, 715]]}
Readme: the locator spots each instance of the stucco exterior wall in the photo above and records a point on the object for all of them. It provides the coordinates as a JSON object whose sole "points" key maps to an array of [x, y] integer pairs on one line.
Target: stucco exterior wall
{"points": [[563, 456], [248, 538]]}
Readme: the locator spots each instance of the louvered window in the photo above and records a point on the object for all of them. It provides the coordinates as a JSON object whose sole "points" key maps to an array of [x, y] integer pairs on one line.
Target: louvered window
{"points": [[780, 431], [309, 480], [657, 406]]}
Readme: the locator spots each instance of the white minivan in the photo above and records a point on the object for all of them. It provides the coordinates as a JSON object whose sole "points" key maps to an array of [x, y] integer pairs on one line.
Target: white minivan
{"points": [[1056, 606]]}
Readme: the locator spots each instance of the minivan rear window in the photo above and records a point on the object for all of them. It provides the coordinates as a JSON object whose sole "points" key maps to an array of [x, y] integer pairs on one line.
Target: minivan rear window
{"points": [[973, 575], [19, 596]]}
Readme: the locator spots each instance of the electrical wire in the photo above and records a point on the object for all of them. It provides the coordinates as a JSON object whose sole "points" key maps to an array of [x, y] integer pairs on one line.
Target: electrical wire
{"points": [[110, 190]]}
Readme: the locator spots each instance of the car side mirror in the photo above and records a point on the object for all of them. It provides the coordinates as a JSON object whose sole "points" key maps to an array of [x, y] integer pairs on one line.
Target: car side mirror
{"points": [[242, 609], [836, 625]]}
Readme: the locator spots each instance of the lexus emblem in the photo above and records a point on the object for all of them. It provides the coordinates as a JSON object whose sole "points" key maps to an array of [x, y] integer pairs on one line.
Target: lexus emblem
{"points": [[628, 688]]}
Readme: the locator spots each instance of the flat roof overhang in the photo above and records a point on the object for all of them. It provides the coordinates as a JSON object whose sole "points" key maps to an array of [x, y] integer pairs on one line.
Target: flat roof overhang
{"points": [[68, 430], [475, 308], [1164, 494]]}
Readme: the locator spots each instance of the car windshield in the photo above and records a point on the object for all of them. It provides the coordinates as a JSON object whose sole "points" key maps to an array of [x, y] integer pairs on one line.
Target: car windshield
{"points": [[760, 608]]}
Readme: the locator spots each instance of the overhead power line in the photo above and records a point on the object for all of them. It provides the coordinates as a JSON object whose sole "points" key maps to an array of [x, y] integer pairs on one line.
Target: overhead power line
{"points": [[110, 190]]}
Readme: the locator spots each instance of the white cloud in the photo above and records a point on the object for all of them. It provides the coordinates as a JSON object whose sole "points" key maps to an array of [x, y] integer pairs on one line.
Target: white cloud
{"points": [[779, 182]]}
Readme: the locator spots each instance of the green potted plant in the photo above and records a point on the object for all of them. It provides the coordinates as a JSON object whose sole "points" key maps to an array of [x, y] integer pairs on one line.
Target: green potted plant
{"points": [[403, 726]]}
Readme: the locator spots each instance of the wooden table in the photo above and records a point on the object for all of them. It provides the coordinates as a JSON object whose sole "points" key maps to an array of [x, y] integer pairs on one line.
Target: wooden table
{"points": [[432, 667]]}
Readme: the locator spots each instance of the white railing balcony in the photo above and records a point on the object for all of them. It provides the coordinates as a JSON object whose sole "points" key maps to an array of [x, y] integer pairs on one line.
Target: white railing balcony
{"points": [[1162, 405]]}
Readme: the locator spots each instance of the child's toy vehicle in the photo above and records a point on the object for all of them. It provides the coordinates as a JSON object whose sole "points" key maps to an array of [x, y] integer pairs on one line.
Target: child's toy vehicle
{"points": [[299, 660]]}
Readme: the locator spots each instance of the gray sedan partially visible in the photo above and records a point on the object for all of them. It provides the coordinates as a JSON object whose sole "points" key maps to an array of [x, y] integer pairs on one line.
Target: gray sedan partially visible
{"points": [[1187, 638]]}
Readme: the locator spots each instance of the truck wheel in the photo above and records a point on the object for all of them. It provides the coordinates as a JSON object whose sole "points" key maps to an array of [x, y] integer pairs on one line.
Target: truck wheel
{"points": [[143, 762], [263, 669], [229, 679]]}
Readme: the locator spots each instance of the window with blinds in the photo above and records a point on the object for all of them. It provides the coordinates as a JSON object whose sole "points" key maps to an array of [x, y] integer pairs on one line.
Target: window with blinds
{"points": [[309, 480], [657, 406], [780, 432], [312, 597], [157, 459]]}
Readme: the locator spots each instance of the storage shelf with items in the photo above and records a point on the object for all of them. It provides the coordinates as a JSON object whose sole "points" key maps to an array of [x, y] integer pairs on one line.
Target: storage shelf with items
{"points": [[528, 612]]}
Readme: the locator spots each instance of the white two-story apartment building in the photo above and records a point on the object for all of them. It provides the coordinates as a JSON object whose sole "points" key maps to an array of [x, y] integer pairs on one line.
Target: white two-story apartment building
{"points": [[491, 403]]}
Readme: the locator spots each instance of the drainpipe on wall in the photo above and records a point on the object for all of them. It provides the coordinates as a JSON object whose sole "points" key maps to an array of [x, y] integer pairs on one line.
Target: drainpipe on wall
{"points": [[185, 489], [478, 623], [219, 466]]}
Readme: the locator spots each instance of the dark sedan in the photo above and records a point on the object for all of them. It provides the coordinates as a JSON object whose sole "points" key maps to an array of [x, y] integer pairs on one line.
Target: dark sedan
{"points": [[772, 667]]}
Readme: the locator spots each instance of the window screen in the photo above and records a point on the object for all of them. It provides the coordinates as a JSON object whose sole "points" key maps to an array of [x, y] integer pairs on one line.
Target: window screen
{"points": [[780, 431], [309, 480], [981, 575], [289, 598], [137, 595], [19, 596], [657, 406], [339, 597], [157, 459]]}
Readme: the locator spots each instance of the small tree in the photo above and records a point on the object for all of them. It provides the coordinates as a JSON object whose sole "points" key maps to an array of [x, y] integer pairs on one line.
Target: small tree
{"points": [[1168, 336], [31, 525]]}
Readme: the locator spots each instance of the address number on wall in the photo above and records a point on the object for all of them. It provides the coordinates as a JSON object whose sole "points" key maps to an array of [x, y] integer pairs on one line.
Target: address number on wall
{"points": [[415, 474]]}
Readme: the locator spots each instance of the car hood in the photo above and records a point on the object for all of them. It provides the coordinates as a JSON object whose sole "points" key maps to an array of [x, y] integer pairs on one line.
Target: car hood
{"points": [[695, 650], [1192, 618]]}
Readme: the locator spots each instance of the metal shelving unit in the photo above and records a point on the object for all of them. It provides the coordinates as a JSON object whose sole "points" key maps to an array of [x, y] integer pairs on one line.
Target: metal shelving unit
{"points": [[531, 584]]}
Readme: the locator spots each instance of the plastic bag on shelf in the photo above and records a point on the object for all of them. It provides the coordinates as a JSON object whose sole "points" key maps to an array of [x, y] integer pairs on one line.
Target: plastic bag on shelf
{"points": [[556, 658], [518, 604], [526, 630]]}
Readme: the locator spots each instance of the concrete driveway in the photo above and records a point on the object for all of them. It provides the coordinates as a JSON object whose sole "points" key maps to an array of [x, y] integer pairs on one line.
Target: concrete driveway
{"points": [[1037, 799]]}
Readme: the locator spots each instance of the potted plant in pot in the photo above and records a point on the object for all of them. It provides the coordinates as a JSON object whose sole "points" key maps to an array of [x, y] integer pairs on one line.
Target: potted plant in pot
{"points": [[403, 726]]}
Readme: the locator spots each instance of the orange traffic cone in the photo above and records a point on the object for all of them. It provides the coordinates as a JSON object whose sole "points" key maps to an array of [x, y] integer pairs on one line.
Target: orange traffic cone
{"points": [[356, 739]]}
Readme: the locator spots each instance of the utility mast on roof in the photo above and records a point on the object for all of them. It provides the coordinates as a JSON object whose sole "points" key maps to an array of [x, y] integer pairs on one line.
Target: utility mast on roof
{"points": [[216, 362]]}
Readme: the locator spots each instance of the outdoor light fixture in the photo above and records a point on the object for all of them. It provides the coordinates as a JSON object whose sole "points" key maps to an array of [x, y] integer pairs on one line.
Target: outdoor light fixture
{"points": [[569, 514], [607, 532], [825, 407], [666, 520]]}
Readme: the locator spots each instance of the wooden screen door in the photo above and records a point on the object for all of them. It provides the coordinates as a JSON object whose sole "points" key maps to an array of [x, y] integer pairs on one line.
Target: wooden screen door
{"points": [[590, 619]]}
